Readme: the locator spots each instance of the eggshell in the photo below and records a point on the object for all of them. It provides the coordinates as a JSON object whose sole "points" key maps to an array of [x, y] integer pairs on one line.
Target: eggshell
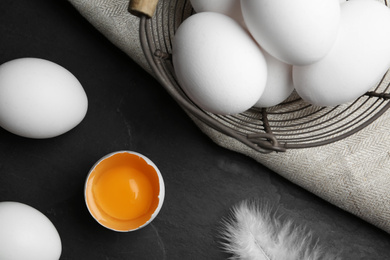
{"points": [[279, 82], [358, 60], [39, 98], [217, 63], [297, 32], [231, 8], [26, 233], [124, 191]]}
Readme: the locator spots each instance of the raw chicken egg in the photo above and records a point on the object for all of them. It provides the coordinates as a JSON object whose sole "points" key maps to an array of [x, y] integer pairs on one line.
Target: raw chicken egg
{"points": [[358, 60], [39, 98], [297, 32], [26, 233], [218, 64], [279, 82], [231, 8], [124, 191]]}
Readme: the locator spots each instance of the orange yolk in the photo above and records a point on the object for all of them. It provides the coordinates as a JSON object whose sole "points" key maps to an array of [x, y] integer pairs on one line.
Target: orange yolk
{"points": [[122, 191]]}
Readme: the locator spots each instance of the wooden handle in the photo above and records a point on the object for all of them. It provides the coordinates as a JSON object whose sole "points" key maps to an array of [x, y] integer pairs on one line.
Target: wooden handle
{"points": [[142, 7]]}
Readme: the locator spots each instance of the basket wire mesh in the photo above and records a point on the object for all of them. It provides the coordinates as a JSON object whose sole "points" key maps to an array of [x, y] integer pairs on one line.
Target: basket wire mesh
{"points": [[292, 124]]}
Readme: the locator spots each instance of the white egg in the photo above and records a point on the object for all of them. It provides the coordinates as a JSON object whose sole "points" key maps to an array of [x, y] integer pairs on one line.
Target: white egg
{"points": [[279, 82], [218, 64], [26, 233], [297, 32], [39, 98], [357, 61], [230, 8]]}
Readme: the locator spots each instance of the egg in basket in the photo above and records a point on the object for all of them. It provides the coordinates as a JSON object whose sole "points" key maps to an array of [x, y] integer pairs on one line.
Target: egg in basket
{"points": [[276, 75]]}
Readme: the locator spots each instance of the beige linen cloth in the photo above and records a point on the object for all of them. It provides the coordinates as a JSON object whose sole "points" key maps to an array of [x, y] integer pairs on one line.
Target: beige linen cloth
{"points": [[353, 174]]}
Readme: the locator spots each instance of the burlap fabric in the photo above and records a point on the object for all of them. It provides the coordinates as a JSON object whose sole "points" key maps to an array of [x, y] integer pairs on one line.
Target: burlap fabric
{"points": [[353, 174]]}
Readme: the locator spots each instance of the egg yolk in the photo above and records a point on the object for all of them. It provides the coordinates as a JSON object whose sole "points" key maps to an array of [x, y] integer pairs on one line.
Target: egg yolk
{"points": [[122, 191]]}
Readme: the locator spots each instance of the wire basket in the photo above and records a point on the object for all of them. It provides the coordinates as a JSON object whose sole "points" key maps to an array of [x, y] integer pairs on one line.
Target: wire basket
{"points": [[292, 124]]}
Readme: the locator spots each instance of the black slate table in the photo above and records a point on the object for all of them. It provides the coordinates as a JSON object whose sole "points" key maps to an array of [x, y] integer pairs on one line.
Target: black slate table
{"points": [[129, 110]]}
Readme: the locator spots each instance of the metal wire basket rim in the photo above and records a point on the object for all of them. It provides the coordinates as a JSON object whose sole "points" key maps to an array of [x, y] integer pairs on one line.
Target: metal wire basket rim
{"points": [[271, 139]]}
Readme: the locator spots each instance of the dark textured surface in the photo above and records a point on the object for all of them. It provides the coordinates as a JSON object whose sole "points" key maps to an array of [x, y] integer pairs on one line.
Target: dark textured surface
{"points": [[129, 110]]}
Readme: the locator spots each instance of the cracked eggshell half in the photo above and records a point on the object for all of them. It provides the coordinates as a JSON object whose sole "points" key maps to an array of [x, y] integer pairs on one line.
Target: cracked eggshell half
{"points": [[124, 191]]}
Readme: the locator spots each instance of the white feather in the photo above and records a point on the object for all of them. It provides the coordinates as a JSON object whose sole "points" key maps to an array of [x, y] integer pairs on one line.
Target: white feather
{"points": [[254, 231]]}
